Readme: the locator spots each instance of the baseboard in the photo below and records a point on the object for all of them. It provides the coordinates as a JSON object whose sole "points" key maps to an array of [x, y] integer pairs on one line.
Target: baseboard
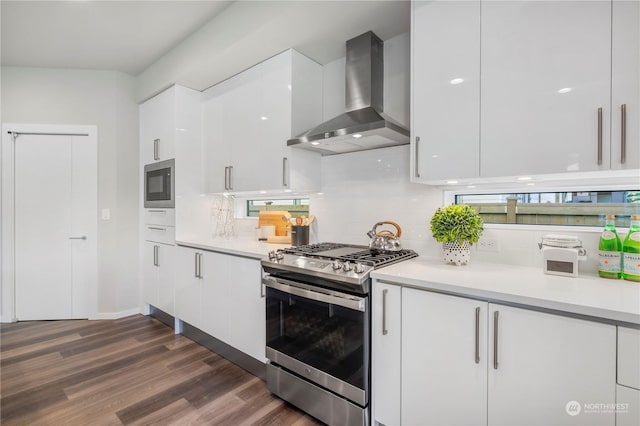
{"points": [[116, 315], [239, 358]]}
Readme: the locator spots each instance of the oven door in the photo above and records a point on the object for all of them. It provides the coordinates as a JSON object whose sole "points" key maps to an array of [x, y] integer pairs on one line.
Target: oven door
{"points": [[159, 184], [319, 334]]}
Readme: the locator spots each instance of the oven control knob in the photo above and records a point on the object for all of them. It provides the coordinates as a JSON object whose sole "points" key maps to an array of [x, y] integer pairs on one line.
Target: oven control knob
{"points": [[336, 265], [347, 267], [279, 255], [359, 268]]}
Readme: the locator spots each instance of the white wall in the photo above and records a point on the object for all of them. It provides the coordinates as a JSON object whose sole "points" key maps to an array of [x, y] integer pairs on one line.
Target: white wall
{"points": [[104, 99]]}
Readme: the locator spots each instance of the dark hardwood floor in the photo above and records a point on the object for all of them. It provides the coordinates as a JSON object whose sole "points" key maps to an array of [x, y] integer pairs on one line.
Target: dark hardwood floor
{"points": [[128, 371]]}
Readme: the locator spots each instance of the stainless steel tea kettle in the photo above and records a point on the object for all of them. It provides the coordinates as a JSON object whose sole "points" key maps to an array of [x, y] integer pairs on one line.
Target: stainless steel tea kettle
{"points": [[385, 241]]}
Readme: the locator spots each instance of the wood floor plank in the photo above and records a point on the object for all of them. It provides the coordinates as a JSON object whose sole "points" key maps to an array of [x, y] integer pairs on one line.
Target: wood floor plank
{"points": [[132, 370]]}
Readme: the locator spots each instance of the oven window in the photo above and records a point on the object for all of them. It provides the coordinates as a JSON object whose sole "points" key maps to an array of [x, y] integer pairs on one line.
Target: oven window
{"points": [[159, 185], [328, 337]]}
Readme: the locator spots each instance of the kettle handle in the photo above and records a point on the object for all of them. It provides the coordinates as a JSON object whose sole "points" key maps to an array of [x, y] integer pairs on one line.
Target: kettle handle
{"points": [[388, 222]]}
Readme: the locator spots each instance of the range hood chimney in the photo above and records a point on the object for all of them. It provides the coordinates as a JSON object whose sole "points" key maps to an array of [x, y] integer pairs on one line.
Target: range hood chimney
{"points": [[362, 126]]}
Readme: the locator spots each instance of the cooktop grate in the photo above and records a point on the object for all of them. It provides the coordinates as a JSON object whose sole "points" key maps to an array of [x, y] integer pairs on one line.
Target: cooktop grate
{"points": [[351, 253]]}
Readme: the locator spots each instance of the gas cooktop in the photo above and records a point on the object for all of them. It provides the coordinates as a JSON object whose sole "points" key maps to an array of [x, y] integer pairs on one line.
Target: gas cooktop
{"points": [[344, 263], [350, 253]]}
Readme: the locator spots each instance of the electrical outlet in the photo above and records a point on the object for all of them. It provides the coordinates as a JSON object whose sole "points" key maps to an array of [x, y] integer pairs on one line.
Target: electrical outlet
{"points": [[488, 244]]}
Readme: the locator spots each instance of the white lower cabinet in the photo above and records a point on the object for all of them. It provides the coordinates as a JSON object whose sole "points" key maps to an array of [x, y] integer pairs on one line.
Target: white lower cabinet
{"points": [[543, 362], [444, 359], [450, 372], [628, 406], [158, 276], [188, 285], [222, 295], [386, 331]]}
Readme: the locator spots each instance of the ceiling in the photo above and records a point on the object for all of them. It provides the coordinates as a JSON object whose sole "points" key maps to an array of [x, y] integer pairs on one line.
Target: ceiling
{"points": [[129, 36]]}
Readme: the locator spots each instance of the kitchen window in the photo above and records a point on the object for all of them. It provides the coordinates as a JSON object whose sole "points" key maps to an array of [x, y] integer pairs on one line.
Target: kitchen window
{"points": [[296, 206], [571, 208]]}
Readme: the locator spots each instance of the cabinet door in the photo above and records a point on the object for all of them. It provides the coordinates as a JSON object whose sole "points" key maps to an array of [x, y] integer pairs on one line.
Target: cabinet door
{"points": [[187, 286], [546, 69], [156, 123], [546, 362], [444, 359], [446, 89], [150, 273], [386, 353], [166, 278], [246, 305], [628, 410], [625, 84], [215, 305]]}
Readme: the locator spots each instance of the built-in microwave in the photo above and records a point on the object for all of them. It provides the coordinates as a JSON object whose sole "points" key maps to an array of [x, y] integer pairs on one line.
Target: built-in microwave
{"points": [[159, 184]]}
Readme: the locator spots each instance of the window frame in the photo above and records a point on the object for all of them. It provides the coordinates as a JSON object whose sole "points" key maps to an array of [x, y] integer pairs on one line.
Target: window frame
{"points": [[449, 197]]}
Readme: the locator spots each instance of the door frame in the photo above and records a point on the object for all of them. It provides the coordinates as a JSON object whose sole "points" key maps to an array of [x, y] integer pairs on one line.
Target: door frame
{"points": [[7, 212]]}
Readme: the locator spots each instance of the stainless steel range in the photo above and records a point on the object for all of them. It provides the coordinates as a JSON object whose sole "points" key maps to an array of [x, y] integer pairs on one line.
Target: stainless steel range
{"points": [[318, 327]]}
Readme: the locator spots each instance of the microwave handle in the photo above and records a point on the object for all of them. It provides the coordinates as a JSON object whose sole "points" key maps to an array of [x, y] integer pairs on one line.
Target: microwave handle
{"points": [[334, 298]]}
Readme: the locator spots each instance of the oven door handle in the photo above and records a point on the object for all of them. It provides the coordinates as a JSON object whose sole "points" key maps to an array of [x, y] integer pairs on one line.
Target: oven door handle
{"points": [[318, 294]]}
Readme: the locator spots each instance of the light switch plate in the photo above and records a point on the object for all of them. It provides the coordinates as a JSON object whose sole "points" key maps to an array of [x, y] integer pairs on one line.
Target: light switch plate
{"points": [[106, 214]]}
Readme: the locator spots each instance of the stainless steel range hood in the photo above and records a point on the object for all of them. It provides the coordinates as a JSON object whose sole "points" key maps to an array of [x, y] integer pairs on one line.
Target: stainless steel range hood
{"points": [[363, 126]]}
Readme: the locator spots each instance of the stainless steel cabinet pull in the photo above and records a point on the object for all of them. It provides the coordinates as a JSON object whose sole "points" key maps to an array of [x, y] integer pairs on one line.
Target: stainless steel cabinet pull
{"points": [[84, 237], [284, 171], [197, 265], [600, 136], [384, 312], [230, 178], [155, 255], [156, 228], [623, 134], [416, 170], [156, 145], [157, 211], [495, 340], [477, 335], [226, 177]]}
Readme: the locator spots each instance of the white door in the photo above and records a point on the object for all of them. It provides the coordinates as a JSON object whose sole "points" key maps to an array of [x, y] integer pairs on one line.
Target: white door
{"points": [[55, 187]]}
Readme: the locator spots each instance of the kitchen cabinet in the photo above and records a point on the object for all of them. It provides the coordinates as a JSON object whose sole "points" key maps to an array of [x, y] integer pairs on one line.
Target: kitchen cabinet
{"points": [[553, 79], [222, 295], [188, 293], [546, 72], [386, 353], [247, 120], [444, 359], [158, 275], [629, 357], [447, 361], [543, 362], [445, 46], [166, 120], [628, 409], [625, 84]]}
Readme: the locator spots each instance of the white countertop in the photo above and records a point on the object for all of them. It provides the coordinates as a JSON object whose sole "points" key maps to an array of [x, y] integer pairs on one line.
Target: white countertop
{"points": [[237, 246], [617, 300]]}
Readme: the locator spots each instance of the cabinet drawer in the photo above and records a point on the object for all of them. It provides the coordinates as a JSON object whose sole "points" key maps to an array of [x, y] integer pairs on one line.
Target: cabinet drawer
{"points": [[160, 234], [628, 356], [165, 217]]}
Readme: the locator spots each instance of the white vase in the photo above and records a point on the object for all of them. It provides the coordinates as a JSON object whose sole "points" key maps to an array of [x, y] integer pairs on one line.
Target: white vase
{"points": [[458, 254]]}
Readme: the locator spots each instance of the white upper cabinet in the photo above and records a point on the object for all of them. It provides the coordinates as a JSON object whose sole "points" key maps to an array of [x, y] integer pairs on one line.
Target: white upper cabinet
{"points": [[546, 74], [445, 89], [156, 122], [503, 89], [247, 120], [625, 85]]}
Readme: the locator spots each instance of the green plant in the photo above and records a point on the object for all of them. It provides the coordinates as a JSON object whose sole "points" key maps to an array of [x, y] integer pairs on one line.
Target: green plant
{"points": [[457, 222]]}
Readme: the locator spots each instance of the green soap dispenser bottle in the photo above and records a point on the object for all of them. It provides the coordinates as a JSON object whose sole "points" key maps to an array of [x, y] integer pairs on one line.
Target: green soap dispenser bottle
{"points": [[610, 248], [631, 249]]}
